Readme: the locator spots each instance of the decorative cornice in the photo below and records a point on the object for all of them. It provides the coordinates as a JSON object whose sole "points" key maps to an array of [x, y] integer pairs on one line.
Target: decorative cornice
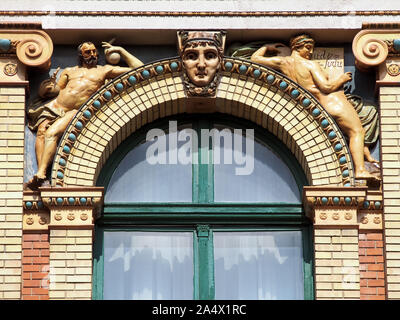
{"points": [[72, 207], [338, 207], [203, 13], [381, 26], [36, 216], [21, 25]]}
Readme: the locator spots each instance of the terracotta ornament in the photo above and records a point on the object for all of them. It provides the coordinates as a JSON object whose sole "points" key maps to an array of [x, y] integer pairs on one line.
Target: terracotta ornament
{"points": [[202, 54], [329, 92], [60, 100]]}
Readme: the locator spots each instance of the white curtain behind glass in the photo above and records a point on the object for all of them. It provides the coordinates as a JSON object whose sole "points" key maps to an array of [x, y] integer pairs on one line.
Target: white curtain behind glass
{"points": [[258, 265], [148, 265], [270, 181], [137, 180]]}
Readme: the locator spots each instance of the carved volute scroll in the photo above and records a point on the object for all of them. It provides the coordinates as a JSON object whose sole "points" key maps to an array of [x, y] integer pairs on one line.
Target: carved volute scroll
{"points": [[372, 47], [32, 47]]}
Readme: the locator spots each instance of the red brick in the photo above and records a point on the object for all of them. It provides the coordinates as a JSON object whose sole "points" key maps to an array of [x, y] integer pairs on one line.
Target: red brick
{"points": [[26, 275], [40, 260], [31, 237], [379, 259], [362, 251], [31, 283], [39, 275], [27, 260], [44, 297], [374, 236], [374, 267], [30, 253], [27, 245], [31, 268], [41, 245], [381, 290], [40, 291], [374, 252], [45, 253], [376, 283], [368, 275], [372, 298], [26, 291], [366, 244], [379, 244], [363, 282], [363, 291], [30, 297], [366, 259]]}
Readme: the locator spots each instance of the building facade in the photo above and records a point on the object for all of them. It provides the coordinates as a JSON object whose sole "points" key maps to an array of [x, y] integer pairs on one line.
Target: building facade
{"points": [[178, 181]]}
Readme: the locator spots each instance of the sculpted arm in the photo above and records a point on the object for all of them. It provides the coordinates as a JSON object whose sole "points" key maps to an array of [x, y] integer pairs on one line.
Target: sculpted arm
{"points": [[49, 88], [273, 62], [323, 82], [130, 60]]}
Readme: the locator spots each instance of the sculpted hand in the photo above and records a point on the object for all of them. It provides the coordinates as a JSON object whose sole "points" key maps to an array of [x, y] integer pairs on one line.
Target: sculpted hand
{"points": [[48, 87], [109, 48], [347, 77], [273, 49], [53, 78]]}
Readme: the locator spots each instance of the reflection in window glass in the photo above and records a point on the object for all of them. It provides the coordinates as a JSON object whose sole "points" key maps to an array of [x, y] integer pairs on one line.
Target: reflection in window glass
{"points": [[268, 179], [138, 179], [148, 265], [258, 265]]}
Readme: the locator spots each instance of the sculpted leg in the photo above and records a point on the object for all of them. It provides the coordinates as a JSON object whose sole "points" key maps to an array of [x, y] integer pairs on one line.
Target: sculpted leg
{"points": [[348, 120], [51, 137], [39, 143], [368, 156]]}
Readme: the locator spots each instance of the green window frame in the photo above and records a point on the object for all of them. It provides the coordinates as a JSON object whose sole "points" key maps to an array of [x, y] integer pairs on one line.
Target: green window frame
{"points": [[202, 216]]}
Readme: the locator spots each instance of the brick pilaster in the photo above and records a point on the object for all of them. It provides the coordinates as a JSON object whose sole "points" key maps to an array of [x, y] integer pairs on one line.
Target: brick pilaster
{"points": [[336, 264], [12, 117], [390, 160], [72, 214], [35, 266], [372, 274]]}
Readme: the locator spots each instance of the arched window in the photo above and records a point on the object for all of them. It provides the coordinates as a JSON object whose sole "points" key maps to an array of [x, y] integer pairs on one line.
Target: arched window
{"points": [[203, 207]]}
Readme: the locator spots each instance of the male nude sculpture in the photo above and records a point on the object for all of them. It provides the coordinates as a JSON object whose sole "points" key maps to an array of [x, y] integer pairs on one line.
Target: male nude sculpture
{"points": [[329, 93], [75, 85]]}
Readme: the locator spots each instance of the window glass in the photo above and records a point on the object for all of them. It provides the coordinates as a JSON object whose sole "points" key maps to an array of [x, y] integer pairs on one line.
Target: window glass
{"points": [[148, 265], [250, 174], [258, 265], [150, 174]]}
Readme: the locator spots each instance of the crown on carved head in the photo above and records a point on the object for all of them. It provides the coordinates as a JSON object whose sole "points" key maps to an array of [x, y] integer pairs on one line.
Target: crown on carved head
{"points": [[194, 38]]}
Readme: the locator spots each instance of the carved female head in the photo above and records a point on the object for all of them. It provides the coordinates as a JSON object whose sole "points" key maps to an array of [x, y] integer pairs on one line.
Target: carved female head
{"points": [[201, 54]]}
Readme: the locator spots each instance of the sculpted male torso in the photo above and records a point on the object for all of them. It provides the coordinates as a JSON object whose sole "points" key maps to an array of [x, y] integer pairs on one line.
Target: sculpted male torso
{"points": [[329, 93], [77, 84], [74, 87]]}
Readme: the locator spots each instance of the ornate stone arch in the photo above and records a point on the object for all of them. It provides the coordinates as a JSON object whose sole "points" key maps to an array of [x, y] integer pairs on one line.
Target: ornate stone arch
{"points": [[246, 90]]}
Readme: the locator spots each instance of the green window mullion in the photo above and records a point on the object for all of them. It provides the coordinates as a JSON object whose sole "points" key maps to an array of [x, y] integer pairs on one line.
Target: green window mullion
{"points": [[204, 266], [203, 170], [308, 263], [98, 264]]}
